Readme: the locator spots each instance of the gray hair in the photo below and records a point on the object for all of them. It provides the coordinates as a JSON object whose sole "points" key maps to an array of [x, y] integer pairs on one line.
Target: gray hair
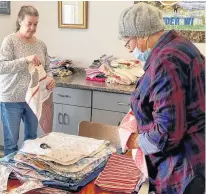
{"points": [[25, 10]]}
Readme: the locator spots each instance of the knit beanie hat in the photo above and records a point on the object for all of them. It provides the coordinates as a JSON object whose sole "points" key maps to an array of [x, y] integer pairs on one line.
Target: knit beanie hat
{"points": [[140, 20]]}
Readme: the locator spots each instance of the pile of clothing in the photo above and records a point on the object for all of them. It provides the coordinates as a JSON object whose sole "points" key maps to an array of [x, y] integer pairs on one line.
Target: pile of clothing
{"points": [[120, 71], [56, 161], [93, 73], [61, 67]]}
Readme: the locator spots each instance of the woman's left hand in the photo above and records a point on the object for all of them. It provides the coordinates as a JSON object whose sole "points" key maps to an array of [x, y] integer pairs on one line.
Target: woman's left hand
{"points": [[51, 84]]}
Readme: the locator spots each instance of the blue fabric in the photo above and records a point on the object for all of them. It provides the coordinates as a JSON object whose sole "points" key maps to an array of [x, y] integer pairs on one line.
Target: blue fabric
{"points": [[11, 116], [9, 158], [75, 188], [70, 182]]}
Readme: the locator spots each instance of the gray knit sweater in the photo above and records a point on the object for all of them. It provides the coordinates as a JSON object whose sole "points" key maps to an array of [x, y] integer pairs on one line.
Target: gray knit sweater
{"points": [[14, 74]]}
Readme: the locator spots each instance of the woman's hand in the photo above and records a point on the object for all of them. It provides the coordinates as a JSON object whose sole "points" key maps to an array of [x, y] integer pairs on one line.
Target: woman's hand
{"points": [[132, 142], [34, 59], [51, 83]]}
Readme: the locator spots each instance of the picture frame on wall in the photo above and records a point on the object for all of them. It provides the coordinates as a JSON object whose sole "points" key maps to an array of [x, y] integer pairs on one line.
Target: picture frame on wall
{"points": [[186, 17], [5, 8], [73, 14]]}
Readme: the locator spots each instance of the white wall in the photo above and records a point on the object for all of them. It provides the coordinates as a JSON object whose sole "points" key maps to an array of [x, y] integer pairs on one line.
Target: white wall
{"points": [[80, 45]]}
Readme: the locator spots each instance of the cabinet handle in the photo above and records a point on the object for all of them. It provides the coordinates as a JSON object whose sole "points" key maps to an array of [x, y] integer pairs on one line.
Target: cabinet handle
{"points": [[64, 96], [66, 116], [123, 104], [60, 118]]}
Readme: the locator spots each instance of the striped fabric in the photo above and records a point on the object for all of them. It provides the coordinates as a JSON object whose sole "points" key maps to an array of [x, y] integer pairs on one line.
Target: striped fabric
{"points": [[46, 119], [39, 98], [119, 175]]}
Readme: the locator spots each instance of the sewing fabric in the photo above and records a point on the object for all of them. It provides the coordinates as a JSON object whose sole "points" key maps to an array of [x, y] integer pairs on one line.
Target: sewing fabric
{"points": [[39, 98]]}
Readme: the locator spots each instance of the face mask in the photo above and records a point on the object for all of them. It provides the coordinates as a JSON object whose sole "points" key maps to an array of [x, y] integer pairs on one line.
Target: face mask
{"points": [[142, 56]]}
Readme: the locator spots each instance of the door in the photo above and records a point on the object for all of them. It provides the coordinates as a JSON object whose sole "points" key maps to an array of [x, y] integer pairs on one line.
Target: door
{"points": [[58, 118], [73, 115], [107, 117]]}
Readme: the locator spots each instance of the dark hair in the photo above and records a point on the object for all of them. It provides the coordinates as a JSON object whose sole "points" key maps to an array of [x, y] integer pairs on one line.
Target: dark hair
{"points": [[25, 10]]}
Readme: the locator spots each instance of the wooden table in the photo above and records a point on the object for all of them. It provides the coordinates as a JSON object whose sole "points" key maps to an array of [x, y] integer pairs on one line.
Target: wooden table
{"points": [[91, 188]]}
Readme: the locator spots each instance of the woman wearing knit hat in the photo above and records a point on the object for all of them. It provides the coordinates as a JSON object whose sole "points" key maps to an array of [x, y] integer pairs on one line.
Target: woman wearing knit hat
{"points": [[168, 102]]}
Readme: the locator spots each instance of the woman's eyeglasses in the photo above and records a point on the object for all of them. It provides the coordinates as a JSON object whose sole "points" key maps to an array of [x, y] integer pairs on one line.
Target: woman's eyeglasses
{"points": [[127, 43]]}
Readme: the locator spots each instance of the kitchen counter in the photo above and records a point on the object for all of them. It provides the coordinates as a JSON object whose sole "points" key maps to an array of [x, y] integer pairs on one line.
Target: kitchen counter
{"points": [[78, 81]]}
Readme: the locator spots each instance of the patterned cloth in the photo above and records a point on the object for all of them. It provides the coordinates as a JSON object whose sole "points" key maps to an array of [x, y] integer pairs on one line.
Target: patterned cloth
{"points": [[27, 186], [74, 171], [62, 148], [126, 128], [120, 175], [39, 98], [4, 174], [169, 106]]}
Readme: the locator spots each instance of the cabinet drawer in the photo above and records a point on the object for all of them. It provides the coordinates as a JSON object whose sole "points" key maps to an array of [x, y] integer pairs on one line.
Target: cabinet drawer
{"points": [[72, 96], [107, 117], [111, 101]]}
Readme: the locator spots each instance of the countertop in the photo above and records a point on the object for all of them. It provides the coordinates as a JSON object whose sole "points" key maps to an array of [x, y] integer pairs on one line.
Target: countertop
{"points": [[78, 81]]}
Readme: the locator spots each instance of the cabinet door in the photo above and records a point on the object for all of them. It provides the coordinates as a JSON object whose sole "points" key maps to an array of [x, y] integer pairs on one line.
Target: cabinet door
{"points": [[73, 115], [107, 117], [58, 118]]}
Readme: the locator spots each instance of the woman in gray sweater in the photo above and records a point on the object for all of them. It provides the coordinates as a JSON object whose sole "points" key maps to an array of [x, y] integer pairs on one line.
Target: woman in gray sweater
{"points": [[18, 50]]}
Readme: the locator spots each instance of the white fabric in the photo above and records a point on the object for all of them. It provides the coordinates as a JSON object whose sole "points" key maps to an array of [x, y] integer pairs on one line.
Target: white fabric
{"points": [[4, 175], [38, 96], [139, 158], [63, 148]]}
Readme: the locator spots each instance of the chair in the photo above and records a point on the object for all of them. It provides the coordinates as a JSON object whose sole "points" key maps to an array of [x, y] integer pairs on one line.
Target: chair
{"points": [[100, 131]]}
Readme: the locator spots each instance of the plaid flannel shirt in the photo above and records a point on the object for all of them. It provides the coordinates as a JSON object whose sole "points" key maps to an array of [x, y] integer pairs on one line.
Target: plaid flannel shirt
{"points": [[169, 106]]}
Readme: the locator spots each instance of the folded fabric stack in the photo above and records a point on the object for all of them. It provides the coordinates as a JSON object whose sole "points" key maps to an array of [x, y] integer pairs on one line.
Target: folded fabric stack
{"points": [[113, 70], [120, 175], [61, 67], [58, 161], [122, 71], [93, 73]]}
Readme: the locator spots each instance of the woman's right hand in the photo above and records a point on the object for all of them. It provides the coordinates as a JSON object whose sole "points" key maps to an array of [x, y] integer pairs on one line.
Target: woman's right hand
{"points": [[34, 59], [132, 142]]}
